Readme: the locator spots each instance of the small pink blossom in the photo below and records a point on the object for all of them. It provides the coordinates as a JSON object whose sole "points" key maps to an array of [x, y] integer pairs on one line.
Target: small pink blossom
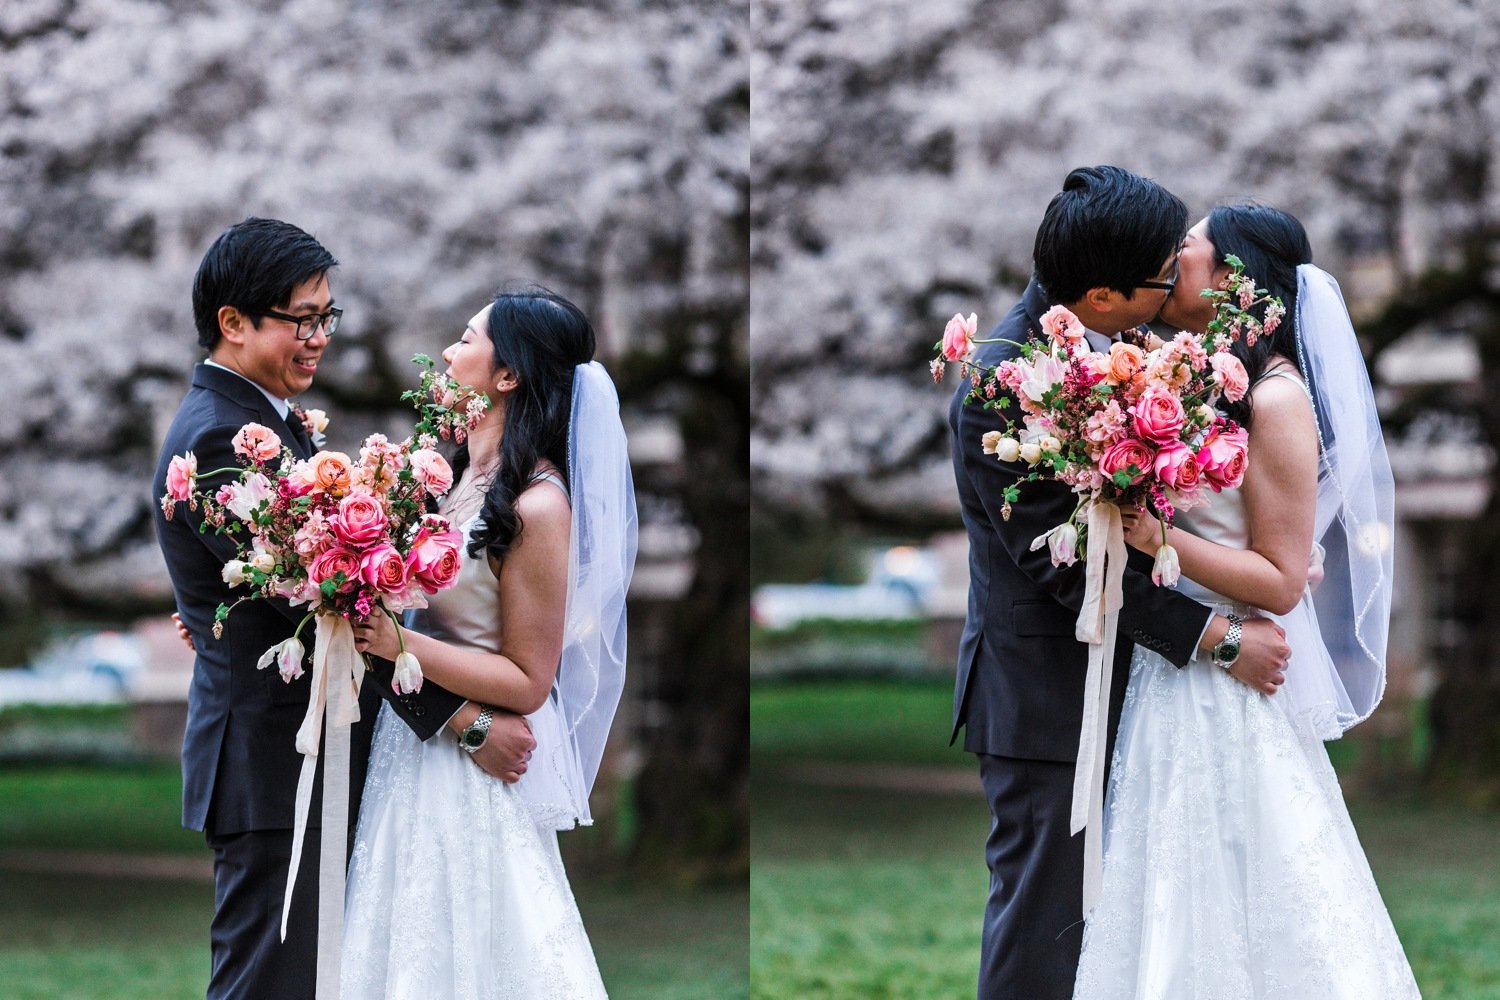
{"points": [[1062, 326], [257, 443]]}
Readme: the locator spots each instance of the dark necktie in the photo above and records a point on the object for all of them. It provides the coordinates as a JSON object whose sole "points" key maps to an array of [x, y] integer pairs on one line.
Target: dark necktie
{"points": [[299, 433]]}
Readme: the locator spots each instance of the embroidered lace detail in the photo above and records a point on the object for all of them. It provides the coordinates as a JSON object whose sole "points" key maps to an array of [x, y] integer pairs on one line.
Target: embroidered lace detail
{"points": [[1231, 868]]}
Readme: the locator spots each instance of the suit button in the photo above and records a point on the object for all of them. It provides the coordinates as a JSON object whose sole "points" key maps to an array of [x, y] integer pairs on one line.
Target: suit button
{"points": [[418, 711]]}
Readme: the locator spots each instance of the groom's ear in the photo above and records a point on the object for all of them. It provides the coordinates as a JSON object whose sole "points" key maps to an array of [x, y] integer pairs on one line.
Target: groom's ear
{"points": [[1102, 299], [234, 326]]}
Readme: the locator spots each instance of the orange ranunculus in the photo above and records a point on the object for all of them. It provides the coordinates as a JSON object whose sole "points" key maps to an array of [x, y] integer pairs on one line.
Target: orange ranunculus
{"points": [[332, 471]]}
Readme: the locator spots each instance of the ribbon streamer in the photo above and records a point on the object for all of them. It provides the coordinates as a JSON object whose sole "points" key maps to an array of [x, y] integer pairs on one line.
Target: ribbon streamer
{"points": [[1098, 621], [337, 674]]}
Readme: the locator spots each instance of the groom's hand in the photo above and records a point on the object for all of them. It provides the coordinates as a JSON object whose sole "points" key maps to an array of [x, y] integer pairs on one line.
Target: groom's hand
{"points": [[1263, 656]]}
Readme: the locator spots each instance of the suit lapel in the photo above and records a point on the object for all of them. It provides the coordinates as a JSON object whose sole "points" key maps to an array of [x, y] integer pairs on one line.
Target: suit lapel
{"points": [[244, 392]]}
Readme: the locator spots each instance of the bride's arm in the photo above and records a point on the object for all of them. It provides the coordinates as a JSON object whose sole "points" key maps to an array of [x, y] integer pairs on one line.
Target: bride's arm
{"points": [[1280, 494], [533, 597]]}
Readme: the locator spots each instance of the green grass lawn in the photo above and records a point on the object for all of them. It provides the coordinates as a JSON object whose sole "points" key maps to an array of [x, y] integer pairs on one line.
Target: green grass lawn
{"points": [[125, 938], [879, 892]]}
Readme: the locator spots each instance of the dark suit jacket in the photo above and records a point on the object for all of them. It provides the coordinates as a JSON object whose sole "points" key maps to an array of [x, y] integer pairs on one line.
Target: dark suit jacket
{"points": [[239, 764], [1019, 691]]}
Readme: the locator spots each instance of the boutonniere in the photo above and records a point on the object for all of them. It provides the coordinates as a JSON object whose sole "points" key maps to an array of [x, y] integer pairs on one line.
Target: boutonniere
{"points": [[314, 421]]}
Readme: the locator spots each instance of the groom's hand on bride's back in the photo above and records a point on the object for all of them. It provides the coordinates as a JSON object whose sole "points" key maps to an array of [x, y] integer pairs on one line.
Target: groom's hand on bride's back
{"points": [[1263, 656]]}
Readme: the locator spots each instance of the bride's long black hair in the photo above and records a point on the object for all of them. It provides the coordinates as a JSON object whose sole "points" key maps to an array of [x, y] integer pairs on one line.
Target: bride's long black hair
{"points": [[541, 337], [1271, 244]]}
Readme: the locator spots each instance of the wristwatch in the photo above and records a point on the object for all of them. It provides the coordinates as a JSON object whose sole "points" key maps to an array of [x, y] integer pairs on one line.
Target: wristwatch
{"points": [[472, 738], [1228, 649]]}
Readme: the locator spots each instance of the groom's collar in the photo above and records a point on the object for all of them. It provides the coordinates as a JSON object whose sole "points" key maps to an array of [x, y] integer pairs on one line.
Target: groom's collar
{"points": [[281, 406]]}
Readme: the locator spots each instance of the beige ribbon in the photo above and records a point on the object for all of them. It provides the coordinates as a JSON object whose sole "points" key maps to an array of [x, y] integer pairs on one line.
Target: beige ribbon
{"points": [[336, 677], [1098, 620]]}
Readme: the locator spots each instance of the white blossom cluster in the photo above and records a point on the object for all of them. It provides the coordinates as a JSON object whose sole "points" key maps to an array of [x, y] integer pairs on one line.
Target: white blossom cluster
{"points": [[440, 150], [903, 155]]}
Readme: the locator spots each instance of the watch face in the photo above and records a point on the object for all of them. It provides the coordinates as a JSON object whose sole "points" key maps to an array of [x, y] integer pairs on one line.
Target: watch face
{"points": [[1227, 652], [473, 738]]}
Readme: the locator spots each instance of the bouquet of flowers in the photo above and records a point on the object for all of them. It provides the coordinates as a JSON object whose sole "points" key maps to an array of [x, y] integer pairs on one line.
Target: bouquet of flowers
{"points": [[348, 537], [1134, 427]]}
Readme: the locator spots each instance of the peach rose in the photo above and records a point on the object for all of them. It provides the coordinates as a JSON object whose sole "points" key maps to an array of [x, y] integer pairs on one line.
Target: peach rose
{"points": [[383, 568], [1125, 360], [332, 561], [257, 443], [432, 471], [1121, 455], [1222, 456], [331, 472], [181, 472], [1158, 415], [360, 520]]}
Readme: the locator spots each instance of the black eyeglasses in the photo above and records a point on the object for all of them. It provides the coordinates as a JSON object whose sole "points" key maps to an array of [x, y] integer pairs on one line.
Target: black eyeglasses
{"points": [[1167, 285], [308, 325]]}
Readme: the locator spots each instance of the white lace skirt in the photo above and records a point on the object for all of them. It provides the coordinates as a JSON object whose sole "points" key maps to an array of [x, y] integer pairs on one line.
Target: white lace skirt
{"points": [[1231, 869], [454, 891]]}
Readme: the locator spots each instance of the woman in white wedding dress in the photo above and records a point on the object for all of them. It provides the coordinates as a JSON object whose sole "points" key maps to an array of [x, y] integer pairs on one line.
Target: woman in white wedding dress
{"points": [[1231, 867], [455, 887]]}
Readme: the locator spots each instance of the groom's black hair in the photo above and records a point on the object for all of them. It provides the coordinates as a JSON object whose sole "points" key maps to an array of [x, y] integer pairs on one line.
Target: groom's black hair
{"points": [[1106, 228], [254, 266]]}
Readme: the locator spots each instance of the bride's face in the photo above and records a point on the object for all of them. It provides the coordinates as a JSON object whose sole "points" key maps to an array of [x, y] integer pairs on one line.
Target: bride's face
{"points": [[471, 360], [1185, 308]]}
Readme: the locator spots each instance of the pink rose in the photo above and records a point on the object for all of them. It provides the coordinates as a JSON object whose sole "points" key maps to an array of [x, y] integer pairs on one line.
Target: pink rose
{"points": [[1177, 466], [360, 520], [181, 472], [434, 560], [1223, 456], [958, 336], [383, 568], [1121, 455], [1062, 326], [1158, 415], [334, 560], [260, 444], [1230, 375], [432, 471]]}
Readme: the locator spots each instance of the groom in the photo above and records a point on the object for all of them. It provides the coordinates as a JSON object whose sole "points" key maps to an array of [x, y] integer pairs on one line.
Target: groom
{"points": [[1106, 249], [264, 310]]}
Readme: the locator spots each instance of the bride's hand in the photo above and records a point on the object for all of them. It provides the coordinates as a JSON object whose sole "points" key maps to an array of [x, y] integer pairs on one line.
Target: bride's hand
{"points": [[376, 635], [1142, 531], [183, 632]]}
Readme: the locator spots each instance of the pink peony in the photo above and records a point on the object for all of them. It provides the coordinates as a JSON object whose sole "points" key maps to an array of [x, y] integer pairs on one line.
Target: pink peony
{"points": [[181, 472], [383, 568], [360, 520], [334, 560], [432, 471], [1158, 415], [1121, 455], [1177, 466], [1223, 456], [260, 444], [1230, 375], [434, 560], [958, 336]]}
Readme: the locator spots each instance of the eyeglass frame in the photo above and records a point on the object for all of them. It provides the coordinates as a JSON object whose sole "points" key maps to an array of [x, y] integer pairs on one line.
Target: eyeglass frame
{"points": [[329, 321], [1170, 284]]}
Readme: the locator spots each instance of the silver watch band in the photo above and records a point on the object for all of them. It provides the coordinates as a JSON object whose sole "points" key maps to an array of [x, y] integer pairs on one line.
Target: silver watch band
{"points": [[475, 733]]}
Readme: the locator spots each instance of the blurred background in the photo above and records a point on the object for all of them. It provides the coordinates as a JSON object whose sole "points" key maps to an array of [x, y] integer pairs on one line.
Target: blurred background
{"points": [[902, 156], [439, 150]]}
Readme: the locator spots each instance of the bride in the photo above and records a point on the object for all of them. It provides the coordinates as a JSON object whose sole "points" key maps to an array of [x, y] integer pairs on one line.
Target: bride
{"points": [[1231, 868], [455, 884]]}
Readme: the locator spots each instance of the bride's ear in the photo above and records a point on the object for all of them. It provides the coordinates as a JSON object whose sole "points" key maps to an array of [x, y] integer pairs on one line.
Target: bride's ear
{"points": [[506, 381]]}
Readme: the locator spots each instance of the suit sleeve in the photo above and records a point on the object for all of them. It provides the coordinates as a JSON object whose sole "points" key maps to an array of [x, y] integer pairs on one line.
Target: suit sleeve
{"points": [[1156, 617], [426, 711]]}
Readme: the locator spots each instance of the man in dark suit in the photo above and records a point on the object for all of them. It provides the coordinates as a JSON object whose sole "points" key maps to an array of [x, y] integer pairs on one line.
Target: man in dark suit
{"points": [[1106, 249], [264, 312]]}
